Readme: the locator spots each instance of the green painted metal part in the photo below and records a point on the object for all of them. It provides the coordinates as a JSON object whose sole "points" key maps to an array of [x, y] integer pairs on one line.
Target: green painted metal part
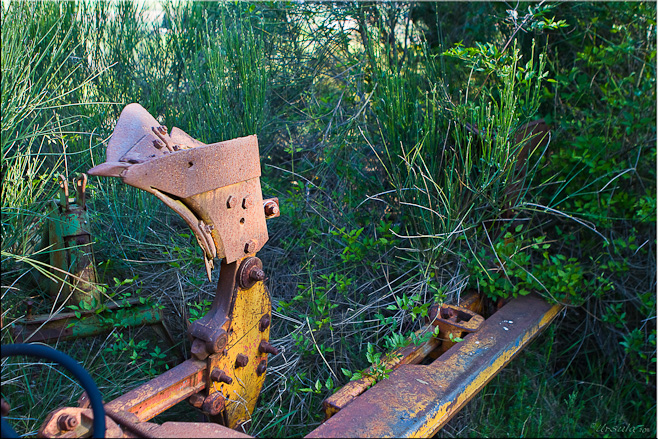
{"points": [[67, 325], [70, 249]]}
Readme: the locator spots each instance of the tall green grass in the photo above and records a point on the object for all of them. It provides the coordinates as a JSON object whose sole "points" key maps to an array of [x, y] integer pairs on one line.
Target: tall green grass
{"points": [[392, 150]]}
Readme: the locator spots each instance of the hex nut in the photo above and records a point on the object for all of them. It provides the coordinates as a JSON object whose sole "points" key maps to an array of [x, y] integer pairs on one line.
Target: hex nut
{"points": [[266, 348], [247, 202], [220, 376], [231, 202], [199, 350], [257, 274], [67, 422], [271, 208]]}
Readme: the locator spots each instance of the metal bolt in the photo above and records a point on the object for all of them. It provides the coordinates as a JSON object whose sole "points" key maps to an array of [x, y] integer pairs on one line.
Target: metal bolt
{"points": [[67, 422], [262, 367], [241, 360], [264, 322], [271, 208], [197, 400], [218, 343], [162, 130], [257, 274], [267, 348], [158, 143], [214, 404], [199, 349], [231, 202], [247, 202], [221, 376], [250, 246]]}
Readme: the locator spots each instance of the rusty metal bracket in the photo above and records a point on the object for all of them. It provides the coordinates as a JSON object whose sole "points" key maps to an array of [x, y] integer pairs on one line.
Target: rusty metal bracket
{"points": [[454, 323], [215, 188]]}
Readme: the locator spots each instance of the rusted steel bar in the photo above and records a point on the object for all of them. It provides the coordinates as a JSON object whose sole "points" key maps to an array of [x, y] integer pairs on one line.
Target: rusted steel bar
{"points": [[417, 401], [58, 327], [162, 392]]}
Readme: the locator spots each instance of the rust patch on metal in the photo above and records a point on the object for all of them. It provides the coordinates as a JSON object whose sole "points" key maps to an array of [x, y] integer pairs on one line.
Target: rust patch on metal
{"points": [[73, 422], [162, 392], [417, 400], [202, 183]]}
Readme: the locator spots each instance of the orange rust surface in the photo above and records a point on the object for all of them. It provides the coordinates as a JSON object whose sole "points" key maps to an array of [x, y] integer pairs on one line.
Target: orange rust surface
{"points": [[84, 420], [416, 400], [195, 180], [406, 355], [162, 392]]}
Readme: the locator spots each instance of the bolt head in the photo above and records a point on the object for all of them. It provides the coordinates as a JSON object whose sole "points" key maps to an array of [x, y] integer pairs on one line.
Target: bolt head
{"points": [[262, 367], [199, 350], [264, 322], [67, 422], [231, 202], [214, 404], [247, 202], [241, 360], [158, 143], [271, 208], [250, 246]]}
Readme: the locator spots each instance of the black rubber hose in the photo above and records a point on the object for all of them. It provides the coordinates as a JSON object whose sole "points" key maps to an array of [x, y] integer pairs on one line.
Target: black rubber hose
{"points": [[83, 377]]}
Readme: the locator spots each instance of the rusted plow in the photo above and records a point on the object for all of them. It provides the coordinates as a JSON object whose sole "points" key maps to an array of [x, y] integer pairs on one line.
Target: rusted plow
{"points": [[216, 189]]}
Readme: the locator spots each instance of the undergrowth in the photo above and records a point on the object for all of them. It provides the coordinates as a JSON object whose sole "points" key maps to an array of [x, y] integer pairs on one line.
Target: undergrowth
{"points": [[394, 137]]}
